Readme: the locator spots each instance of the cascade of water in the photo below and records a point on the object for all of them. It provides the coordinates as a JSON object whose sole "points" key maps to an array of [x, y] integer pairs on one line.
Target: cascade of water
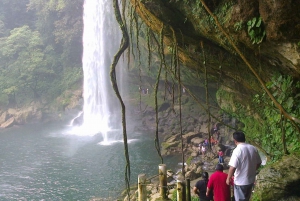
{"points": [[101, 38]]}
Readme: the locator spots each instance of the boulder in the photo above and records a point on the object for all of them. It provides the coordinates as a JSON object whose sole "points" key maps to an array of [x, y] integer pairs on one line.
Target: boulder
{"points": [[196, 141], [192, 175], [3, 118], [197, 128], [203, 119], [279, 181], [172, 138], [188, 136], [12, 111], [28, 114], [190, 128], [10, 122], [164, 106], [194, 154], [204, 129], [167, 145]]}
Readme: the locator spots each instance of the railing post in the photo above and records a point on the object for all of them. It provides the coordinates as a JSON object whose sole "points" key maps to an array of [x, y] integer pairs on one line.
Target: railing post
{"points": [[142, 187], [180, 189], [162, 173], [188, 190]]}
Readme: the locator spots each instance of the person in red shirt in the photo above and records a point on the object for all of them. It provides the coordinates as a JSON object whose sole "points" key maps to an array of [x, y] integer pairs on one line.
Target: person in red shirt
{"points": [[217, 184], [221, 154], [213, 141]]}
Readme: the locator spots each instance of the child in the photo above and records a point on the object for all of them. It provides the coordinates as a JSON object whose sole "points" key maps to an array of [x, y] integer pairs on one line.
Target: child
{"points": [[220, 153], [203, 149]]}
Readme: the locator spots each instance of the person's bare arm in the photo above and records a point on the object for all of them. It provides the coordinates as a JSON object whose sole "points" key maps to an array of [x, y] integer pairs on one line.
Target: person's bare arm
{"points": [[207, 192], [230, 174], [195, 190]]}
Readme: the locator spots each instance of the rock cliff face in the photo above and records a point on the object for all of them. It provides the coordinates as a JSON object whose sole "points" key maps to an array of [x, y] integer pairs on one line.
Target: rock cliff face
{"points": [[236, 34]]}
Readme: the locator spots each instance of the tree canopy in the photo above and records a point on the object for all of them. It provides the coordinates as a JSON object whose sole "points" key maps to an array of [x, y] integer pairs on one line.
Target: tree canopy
{"points": [[40, 42]]}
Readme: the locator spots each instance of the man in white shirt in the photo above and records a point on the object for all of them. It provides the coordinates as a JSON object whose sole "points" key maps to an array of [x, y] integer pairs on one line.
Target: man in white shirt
{"points": [[243, 163]]}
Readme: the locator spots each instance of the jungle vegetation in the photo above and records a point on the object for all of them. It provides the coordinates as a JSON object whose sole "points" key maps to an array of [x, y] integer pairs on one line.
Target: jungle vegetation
{"points": [[41, 49]]}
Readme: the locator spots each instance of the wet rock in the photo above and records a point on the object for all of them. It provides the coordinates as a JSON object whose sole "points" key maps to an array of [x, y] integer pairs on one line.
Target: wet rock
{"points": [[9, 123], [187, 137], [4, 116], [192, 175], [196, 141], [279, 181], [164, 106], [78, 120], [172, 138], [194, 154]]}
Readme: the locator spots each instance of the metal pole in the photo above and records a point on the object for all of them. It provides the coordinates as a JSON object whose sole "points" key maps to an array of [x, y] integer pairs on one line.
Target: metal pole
{"points": [[142, 193]]}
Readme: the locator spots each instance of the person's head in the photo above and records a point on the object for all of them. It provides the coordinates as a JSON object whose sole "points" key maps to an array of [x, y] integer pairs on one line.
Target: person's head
{"points": [[239, 136], [205, 175], [219, 167]]}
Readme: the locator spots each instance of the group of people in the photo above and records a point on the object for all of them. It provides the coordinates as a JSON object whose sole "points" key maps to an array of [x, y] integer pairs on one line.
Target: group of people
{"points": [[243, 165], [143, 91], [203, 147], [214, 188]]}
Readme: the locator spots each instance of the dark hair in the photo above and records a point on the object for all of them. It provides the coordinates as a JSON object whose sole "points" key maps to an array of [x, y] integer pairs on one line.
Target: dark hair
{"points": [[205, 175], [239, 136], [219, 167]]}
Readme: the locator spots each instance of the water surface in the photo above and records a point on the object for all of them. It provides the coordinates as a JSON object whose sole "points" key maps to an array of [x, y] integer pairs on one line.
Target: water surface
{"points": [[43, 162]]}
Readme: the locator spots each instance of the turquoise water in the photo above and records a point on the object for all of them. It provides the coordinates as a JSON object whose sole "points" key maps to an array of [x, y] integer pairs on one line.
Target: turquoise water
{"points": [[42, 162]]}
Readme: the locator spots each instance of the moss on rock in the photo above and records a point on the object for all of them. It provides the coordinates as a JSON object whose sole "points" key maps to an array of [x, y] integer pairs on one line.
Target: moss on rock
{"points": [[280, 180]]}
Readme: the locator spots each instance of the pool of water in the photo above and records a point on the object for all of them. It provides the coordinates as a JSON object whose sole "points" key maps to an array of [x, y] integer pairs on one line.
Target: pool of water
{"points": [[44, 162]]}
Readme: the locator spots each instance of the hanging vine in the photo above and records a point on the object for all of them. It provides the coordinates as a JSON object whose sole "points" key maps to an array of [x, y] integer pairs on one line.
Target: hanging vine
{"points": [[180, 113], [175, 63], [206, 95], [161, 53], [123, 46], [149, 47], [278, 105], [132, 13]]}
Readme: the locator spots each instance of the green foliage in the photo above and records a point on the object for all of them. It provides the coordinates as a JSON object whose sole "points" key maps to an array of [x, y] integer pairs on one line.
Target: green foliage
{"points": [[226, 7], [41, 48], [189, 160], [70, 79], [174, 197], [24, 68], [238, 26], [14, 14], [287, 94], [262, 121], [255, 197], [256, 30], [194, 198]]}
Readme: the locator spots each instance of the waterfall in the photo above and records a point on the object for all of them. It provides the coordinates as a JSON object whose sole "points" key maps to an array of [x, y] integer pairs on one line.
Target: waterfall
{"points": [[101, 40]]}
